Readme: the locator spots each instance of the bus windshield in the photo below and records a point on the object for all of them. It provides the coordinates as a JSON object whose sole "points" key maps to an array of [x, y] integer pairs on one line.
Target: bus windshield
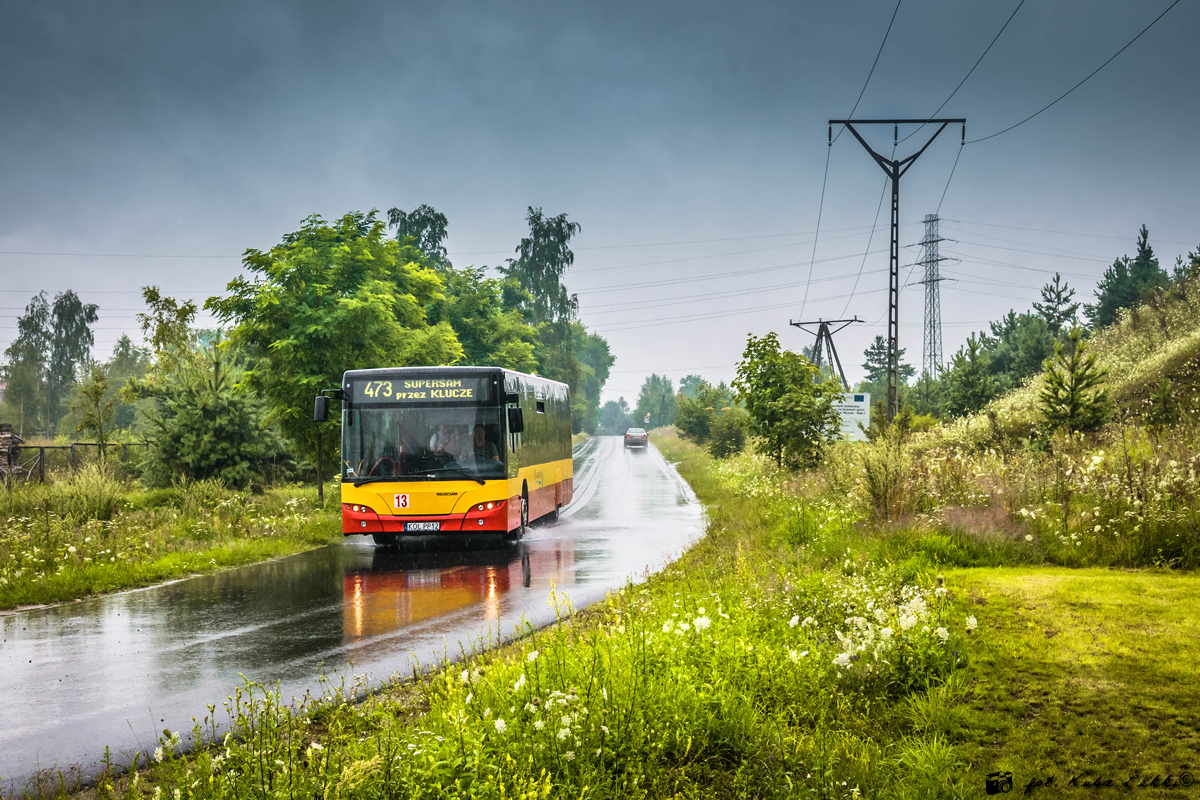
{"points": [[381, 443]]}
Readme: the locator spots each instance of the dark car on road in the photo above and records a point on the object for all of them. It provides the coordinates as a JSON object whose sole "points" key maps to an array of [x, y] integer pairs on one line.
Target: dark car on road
{"points": [[636, 437]]}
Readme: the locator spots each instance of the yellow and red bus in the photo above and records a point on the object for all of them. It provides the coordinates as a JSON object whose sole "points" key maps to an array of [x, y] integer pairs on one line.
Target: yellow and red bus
{"points": [[452, 450]]}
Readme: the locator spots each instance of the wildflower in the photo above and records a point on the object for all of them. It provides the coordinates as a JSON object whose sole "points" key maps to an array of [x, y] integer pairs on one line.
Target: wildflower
{"points": [[569, 755], [842, 660], [807, 621], [886, 633], [316, 746], [701, 623], [943, 634], [520, 682], [465, 677], [533, 654], [470, 697], [907, 620], [972, 623], [538, 724], [794, 621], [501, 725], [563, 733], [158, 755], [71, 549], [1029, 537], [940, 591]]}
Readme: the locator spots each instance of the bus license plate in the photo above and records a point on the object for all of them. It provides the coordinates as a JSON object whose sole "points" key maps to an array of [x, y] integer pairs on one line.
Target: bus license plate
{"points": [[422, 526]]}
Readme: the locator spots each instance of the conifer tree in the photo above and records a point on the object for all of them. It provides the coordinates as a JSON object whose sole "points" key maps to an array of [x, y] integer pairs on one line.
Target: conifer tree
{"points": [[1123, 283], [969, 384], [1058, 308], [1073, 396]]}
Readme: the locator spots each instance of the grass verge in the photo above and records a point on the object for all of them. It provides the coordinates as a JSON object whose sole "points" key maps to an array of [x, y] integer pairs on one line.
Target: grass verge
{"points": [[95, 533]]}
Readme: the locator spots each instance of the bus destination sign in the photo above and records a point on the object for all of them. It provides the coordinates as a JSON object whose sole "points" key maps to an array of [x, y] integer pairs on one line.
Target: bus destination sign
{"points": [[409, 390]]}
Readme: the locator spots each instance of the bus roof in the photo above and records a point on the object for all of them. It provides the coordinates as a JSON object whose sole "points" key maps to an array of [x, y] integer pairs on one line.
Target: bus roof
{"points": [[391, 372]]}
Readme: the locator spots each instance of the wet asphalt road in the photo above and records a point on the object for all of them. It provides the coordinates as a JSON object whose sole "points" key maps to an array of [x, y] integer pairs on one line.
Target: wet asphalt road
{"points": [[117, 670]]}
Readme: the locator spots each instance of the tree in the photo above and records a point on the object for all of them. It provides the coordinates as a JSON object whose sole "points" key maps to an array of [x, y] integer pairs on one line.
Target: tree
{"points": [[791, 414], [167, 326], [128, 362], [423, 228], [543, 257], [689, 384], [97, 406], [969, 384], [699, 414], [927, 396], [27, 357], [876, 369], [1057, 308], [1123, 283], [208, 423], [1073, 396], [656, 398], [614, 417], [332, 297], [1017, 347], [595, 362], [490, 333]]}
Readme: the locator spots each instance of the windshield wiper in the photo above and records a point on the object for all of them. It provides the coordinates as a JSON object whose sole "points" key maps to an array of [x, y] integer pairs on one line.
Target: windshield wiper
{"points": [[462, 472]]}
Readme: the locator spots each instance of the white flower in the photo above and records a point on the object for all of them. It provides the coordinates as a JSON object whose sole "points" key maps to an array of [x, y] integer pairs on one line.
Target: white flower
{"points": [[470, 697], [538, 724], [520, 682], [1029, 537], [943, 634], [907, 620], [842, 660], [465, 677], [701, 623], [158, 754], [563, 733], [315, 746], [533, 654], [940, 591], [794, 621], [808, 621], [501, 725], [886, 633], [972, 623], [666, 628], [71, 549], [569, 755]]}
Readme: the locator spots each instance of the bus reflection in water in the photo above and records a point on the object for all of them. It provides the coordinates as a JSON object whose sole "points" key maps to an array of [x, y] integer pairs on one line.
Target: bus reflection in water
{"points": [[389, 590]]}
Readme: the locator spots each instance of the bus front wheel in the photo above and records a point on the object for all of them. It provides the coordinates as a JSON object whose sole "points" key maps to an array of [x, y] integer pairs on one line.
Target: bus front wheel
{"points": [[519, 533]]}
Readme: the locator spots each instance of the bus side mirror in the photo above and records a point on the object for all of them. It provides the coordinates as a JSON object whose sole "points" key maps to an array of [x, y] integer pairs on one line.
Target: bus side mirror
{"points": [[321, 409], [516, 420]]}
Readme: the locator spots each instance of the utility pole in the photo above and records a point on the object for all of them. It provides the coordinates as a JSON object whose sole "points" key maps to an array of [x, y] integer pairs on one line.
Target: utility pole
{"points": [[930, 259], [895, 169], [825, 336]]}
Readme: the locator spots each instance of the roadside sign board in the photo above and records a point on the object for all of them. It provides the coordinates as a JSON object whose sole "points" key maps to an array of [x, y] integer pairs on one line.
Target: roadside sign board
{"points": [[647, 421], [855, 407]]}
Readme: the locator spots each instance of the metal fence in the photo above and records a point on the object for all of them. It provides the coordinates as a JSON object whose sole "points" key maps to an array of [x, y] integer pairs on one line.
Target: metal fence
{"points": [[34, 462]]}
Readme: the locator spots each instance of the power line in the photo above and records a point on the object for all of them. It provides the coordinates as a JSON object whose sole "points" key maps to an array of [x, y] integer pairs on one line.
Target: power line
{"points": [[820, 209], [1047, 230], [956, 157], [878, 208], [964, 80], [1034, 252], [103, 255], [872, 72], [1081, 83]]}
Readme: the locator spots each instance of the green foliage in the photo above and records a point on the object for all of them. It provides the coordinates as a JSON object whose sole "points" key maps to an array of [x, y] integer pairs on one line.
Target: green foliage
{"points": [[710, 418], [70, 345], [594, 365], [1057, 308], [791, 414], [167, 326], [876, 369], [206, 425], [656, 398], [690, 384], [1123, 283], [332, 297], [1073, 396], [1018, 346], [543, 257], [969, 385], [490, 333], [423, 228], [615, 417], [97, 406]]}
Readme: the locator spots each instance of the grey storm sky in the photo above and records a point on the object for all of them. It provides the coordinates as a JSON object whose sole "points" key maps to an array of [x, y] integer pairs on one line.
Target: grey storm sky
{"points": [[688, 139]]}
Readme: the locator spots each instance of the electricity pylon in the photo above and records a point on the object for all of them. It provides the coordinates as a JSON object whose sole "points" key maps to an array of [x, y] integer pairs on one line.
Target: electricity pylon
{"points": [[895, 168], [930, 259], [825, 337]]}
